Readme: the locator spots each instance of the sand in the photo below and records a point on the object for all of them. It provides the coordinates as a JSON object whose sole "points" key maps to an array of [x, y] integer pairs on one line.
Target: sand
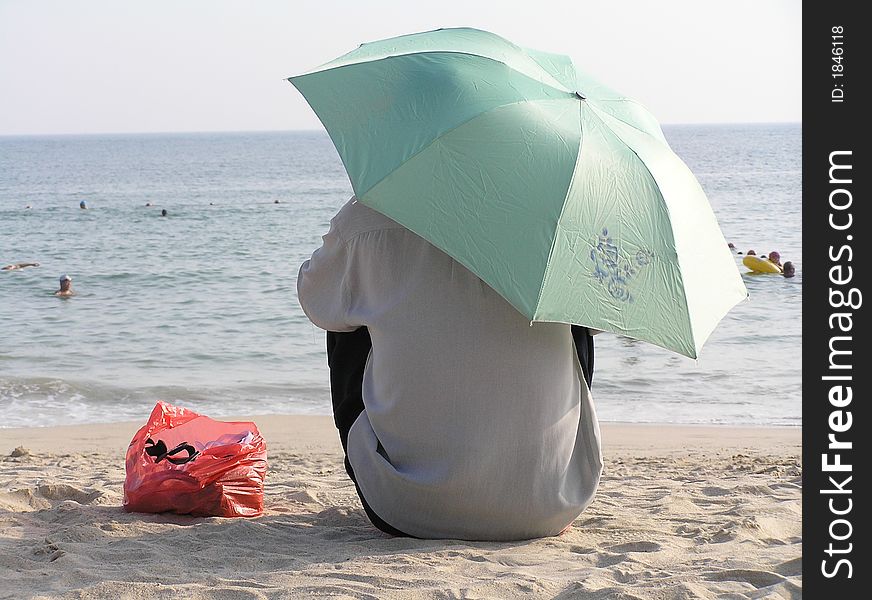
{"points": [[682, 512]]}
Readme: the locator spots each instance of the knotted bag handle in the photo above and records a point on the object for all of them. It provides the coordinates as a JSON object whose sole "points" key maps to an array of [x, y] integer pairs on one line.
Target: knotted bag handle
{"points": [[159, 451]]}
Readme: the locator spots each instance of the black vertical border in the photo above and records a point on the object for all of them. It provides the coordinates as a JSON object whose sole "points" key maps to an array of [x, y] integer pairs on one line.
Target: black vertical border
{"points": [[829, 126]]}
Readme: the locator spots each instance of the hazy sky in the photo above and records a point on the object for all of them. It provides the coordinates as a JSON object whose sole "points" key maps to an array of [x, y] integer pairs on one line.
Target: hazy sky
{"points": [[89, 66]]}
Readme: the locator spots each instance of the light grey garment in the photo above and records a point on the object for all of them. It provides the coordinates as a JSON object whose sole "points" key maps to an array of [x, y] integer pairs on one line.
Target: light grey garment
{"points": [[487, 426]]}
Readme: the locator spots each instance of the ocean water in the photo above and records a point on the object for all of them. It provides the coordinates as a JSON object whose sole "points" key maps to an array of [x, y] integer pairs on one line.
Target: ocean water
{"points": [[199, 307]]}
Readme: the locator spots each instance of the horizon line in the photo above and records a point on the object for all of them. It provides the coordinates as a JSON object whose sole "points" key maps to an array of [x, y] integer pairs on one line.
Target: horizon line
{"points": [[229, 131]]}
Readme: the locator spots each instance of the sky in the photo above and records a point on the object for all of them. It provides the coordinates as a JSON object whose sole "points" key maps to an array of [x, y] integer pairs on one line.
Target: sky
{"points": [[117, 66]]}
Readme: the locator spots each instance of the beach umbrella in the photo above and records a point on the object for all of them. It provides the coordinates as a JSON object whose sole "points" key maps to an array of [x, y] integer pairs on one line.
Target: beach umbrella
{"points": [[558, 192]]}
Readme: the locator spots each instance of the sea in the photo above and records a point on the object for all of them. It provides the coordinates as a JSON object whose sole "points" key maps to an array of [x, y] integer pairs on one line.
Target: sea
{"points": [[199, 308]]}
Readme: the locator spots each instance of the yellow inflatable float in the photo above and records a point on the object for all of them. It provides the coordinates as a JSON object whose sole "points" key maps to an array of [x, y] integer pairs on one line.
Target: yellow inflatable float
{"points": [[759, 264]]}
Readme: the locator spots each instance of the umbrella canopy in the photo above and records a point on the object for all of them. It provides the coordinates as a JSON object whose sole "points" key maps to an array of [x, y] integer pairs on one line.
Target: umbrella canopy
{"points": [[558, 192]]}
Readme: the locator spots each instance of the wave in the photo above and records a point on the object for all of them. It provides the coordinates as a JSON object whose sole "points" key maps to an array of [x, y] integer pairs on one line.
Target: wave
{"points": [[47, 402]]}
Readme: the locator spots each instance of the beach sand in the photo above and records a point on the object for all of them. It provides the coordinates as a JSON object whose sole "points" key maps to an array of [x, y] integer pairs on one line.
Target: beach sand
{"points": [[682, 512]]}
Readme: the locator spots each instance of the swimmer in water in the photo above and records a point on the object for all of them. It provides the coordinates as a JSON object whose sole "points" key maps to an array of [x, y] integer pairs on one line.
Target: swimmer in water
{"points": [[17, 266], [83, 205], [66, 287], [163, 212], [774, 257], [788, 270]]}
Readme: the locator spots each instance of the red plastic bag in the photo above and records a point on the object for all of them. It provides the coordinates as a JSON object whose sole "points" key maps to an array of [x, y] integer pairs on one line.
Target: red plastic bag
{"points": [[186, 463]]}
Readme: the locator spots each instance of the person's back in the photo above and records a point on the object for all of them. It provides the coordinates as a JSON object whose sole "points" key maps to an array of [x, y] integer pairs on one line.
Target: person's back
{"points": [[477, 424]]}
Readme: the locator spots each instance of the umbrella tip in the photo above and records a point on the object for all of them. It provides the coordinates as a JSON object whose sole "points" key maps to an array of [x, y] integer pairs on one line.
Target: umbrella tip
{"points": [[580, 96]]}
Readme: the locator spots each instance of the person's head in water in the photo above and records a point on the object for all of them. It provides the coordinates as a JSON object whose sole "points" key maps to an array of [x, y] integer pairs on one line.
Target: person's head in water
{"points": [[788, 269], [731, 245], [276, 202], [775, 257], [163, 212], [66, 286], [83, 205], [751, 253]]}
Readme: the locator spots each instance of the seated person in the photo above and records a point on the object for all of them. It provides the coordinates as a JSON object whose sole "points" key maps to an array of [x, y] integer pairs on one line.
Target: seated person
{"points": [[459, 418]]}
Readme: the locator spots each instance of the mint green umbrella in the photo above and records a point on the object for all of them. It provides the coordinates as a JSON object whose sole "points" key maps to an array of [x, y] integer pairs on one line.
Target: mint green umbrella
{"points": [[558, 192]]}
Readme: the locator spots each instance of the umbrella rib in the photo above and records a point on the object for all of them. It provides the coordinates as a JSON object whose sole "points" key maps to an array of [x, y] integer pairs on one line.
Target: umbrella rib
{"points": [[560, 217], [553, 84], [606, 127], [437, 138], [625, 122]]}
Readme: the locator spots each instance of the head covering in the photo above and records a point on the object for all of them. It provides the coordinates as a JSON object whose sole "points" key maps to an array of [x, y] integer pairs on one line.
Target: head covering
{"points": [[66, 277]]}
